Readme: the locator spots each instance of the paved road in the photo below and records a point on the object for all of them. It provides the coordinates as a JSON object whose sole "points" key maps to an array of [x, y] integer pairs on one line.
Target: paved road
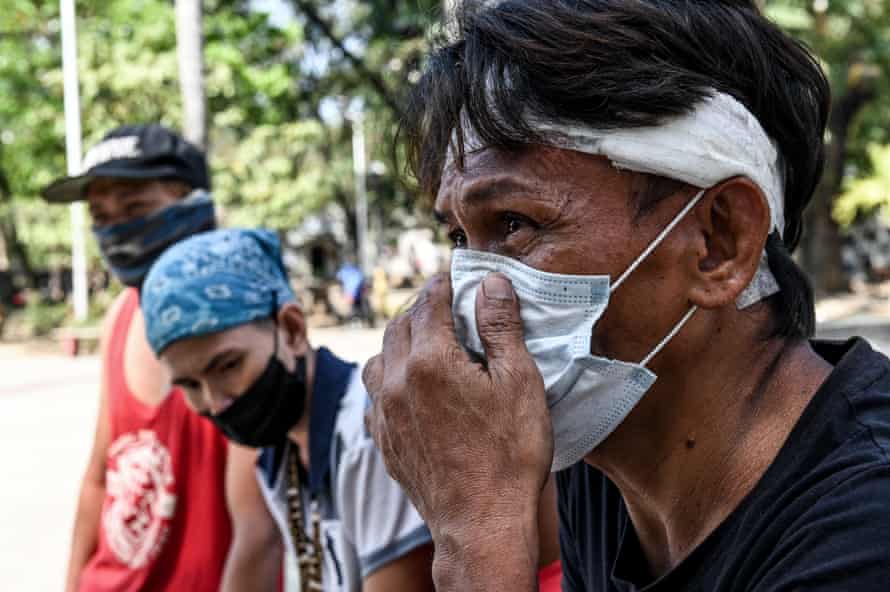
{"points": [[47, 415], [48, 406]]}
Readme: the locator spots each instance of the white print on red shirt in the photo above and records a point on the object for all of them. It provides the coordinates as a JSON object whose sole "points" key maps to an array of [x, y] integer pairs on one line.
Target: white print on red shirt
{"points": [[140, 499]]}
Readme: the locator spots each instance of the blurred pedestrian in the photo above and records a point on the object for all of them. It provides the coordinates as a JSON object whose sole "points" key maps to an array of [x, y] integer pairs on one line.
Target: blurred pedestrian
{"points": [[152, 512], [221, 316], [355, 288]]}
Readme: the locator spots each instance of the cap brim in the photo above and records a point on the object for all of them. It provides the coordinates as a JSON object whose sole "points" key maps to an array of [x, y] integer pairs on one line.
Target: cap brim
{"points": [[71, 189], [67, 190]]}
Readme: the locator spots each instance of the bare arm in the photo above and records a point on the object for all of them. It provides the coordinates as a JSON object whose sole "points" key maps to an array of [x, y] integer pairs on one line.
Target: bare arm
{"points": [[499, 553], [255, 557], [409, 573], [92, 489]]}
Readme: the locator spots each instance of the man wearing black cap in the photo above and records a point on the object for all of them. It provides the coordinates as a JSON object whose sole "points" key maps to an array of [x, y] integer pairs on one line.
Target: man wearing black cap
{"points": [[152, 513]]}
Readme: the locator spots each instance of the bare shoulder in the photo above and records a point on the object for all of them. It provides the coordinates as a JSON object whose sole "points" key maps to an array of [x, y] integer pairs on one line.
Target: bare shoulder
{"points": [[109, 319], [112, 313]]}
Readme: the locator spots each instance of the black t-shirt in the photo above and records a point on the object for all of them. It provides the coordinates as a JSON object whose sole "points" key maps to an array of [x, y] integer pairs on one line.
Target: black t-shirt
{"points": [[818, 520]]}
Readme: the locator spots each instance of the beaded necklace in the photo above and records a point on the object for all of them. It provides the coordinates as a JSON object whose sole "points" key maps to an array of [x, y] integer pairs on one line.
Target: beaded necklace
{"points": [[309, 550]]}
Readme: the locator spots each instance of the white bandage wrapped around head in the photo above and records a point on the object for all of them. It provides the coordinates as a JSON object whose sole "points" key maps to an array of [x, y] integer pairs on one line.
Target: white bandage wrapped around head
{"points": [[718, 140]]}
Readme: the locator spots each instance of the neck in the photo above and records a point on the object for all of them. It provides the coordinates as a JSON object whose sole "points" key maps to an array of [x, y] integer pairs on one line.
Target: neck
{"points": [[703, 437], [299, 434]]}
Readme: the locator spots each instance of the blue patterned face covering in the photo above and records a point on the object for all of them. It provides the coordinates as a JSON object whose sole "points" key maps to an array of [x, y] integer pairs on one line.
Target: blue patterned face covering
{"points": [[130, 248], [211, 282]]}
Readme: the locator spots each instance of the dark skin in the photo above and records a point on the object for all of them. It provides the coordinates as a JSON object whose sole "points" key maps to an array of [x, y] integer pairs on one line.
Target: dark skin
{"points": [[723, 405], [114, 201], [213, 371]]}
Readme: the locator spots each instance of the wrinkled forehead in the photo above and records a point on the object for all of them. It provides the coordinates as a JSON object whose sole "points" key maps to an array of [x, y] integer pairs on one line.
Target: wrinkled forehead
{"points": [[535, 168]]}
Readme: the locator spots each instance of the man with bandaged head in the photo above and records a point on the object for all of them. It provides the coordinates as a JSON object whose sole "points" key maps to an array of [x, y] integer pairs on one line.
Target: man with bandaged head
{"points": [[624, 183]]}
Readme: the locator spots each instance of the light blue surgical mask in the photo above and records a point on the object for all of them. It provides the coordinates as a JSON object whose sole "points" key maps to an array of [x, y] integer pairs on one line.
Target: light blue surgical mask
{"points": [[588, 396]]}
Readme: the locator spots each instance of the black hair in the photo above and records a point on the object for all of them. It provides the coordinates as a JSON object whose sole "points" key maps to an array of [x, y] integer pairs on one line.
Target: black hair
{"points": [[625, 63]]}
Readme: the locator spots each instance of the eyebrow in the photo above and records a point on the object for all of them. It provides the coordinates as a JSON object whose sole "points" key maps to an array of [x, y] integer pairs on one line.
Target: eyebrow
{"points": [[491, 188], [218, 358], [484, 190], [213, 363]]}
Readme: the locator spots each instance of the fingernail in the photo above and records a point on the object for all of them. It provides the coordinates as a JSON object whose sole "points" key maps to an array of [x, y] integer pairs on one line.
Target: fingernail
{"points": [[497, 287]]}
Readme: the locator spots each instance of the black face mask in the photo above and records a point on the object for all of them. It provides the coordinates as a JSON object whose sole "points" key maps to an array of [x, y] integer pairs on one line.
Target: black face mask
{"points": [[268, 409]]}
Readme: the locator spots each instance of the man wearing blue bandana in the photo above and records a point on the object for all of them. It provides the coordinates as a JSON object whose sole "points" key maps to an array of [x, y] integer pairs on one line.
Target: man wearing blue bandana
{"points": [[152, 513], [222, 318]]}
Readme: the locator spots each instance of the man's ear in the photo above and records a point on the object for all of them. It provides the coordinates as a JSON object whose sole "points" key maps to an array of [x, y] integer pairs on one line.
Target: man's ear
{"points": [[734, 220], [292, 323]]}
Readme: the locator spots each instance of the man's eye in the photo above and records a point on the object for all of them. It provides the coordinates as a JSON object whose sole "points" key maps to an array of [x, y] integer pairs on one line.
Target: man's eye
{"points": [[513, 223], [187, 384], [136, 208], [230, 365], [458, 238]]}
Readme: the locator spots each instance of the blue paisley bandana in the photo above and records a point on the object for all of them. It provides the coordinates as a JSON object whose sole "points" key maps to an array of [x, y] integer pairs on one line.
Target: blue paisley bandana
{"points": [[212, 282]]}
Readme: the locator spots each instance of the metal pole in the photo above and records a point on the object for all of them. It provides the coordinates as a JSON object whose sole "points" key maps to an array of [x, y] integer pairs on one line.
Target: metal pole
{"points": [[73, 156], [189, 43], [360, 166]]}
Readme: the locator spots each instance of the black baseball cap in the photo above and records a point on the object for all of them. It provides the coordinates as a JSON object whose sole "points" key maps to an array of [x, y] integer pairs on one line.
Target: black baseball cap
{"points": [[135, 152]]}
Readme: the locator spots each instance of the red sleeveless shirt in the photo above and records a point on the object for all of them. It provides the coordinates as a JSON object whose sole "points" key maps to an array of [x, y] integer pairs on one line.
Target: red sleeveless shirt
{"points": [[164, 523]]}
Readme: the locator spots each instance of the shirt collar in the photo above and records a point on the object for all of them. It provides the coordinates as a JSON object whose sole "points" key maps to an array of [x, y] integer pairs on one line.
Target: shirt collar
{"points": [[332, 377]]}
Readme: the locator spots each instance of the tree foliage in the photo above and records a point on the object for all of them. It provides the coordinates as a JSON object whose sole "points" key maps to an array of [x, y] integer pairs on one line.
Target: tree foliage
{"points": [[852, 39], [869, 195], [281, 76], [276, 155]]}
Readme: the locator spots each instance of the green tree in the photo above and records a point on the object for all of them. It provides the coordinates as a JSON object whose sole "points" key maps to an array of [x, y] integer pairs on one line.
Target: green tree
{"points": [[277, 89], [868, 195], [128, 73], [370, 50], [852, 38]]}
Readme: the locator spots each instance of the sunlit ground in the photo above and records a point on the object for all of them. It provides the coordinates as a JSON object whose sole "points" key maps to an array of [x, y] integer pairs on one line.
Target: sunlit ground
{"points": [[48, 406]]}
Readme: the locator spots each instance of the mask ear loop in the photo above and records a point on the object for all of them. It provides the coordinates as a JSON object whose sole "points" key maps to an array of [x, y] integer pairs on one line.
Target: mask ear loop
{"points": [[275, 323], [648, 251], [673, 332], [657, 241]]}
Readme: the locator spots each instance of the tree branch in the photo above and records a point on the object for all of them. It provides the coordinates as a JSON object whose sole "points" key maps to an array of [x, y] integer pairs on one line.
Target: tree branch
{"points": [[862, 89], [14, 246], [310, 11], [820, 253]]}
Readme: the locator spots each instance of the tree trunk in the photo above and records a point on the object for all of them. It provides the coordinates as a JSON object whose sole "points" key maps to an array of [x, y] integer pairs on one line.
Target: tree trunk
{"points": [[311, 13], [15, 249], [189, 45], [347, 204], [821, 240]]}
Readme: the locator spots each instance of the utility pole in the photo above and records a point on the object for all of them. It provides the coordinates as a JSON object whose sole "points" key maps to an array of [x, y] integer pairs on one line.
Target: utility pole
{"points": [[73, 156], [189, 50], [360, 168]]}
